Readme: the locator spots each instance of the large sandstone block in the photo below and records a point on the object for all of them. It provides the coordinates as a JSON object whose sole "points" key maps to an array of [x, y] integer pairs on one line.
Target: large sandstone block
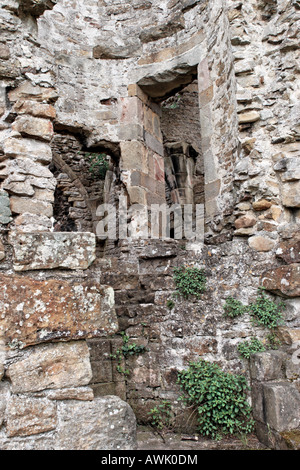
{"points": [[51, 366], [281, 405], [28, 148], [107, 423], [283, 280], [28, 416], [34, 312], [51, 250], [291, 194]]}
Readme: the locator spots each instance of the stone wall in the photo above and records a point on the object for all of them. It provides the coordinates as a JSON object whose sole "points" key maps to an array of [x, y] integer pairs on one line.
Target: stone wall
{"points": [[88, 76]]}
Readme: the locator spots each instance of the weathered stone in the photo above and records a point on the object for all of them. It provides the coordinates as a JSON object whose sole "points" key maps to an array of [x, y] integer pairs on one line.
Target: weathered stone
{"points": [[291, 194], [266, 365], [249, 117], [288, 335], [53, 250], [2, 354], [245, 221], [283, 280], [29, 91], [32, 223], [4, 52], [78, 393], [281, 405], [261, 205], [53, 366], [35, 109], [28, 416], [5, 212], [39, 128], [260, 243], [33, 311], [106, 423], [289, 251], [2, 251], [22, 205], [28, 148]]}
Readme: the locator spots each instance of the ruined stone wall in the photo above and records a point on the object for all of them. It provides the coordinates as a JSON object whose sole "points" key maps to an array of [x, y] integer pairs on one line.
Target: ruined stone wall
{"points": [[88, 75]]}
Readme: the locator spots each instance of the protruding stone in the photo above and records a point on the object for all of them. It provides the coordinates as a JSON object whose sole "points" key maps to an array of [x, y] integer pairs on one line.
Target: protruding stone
{"points": [[52, 366], [49, 250], [34, 311], [283, 280], [289, 251], [27, 91], [249, 117], [22, 205], [38, 128], [261, 205], [260, 243], [291, 194], [245, 222], [35, 109], [28, 148]]}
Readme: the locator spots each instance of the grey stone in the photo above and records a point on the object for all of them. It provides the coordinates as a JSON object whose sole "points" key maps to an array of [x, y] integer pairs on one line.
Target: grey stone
{"points": [[281, 405], [267, 365], [107, 423], [49, 250]]}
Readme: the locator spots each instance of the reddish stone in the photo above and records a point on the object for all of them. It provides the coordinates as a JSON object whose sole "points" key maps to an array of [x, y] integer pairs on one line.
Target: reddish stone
{"points": [[284, 280]]}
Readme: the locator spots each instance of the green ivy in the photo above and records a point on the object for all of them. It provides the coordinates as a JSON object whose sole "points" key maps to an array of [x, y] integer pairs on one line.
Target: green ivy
{"points": [[265, 312], [170, 304], [126, 351], [233, 308], [246, 348], [220, 399], [189, 281]]}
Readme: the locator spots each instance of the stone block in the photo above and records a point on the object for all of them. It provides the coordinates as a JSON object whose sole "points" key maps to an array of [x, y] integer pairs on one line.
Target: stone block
{"points": [[34, 311], [41, 129], [29, 416], [133, 156], [22, 205], [249, 117], [291, 194], [283, 280], [261, 205], [35, 109], [107, 423], [51, 366], [4, 396], [288, 335], [260, 243], [289, 251], [28, 148], [101, 362], [245, 221], [28, 91], [281, 406], [267, 365], [50, 250], [75, 393]]}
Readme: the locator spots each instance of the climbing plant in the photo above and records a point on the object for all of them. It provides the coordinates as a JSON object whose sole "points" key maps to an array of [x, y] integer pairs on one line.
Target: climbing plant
{"points": [[246, 348], [98, 164]]}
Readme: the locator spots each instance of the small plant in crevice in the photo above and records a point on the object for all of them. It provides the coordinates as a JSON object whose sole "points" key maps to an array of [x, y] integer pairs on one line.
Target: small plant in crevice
{"points": [[265, 312], [127, 350], [273, 342], [246, 348], [189, 281], [162, 416], [233, 308], [220, 399], [170, 304], [98, 164]]}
